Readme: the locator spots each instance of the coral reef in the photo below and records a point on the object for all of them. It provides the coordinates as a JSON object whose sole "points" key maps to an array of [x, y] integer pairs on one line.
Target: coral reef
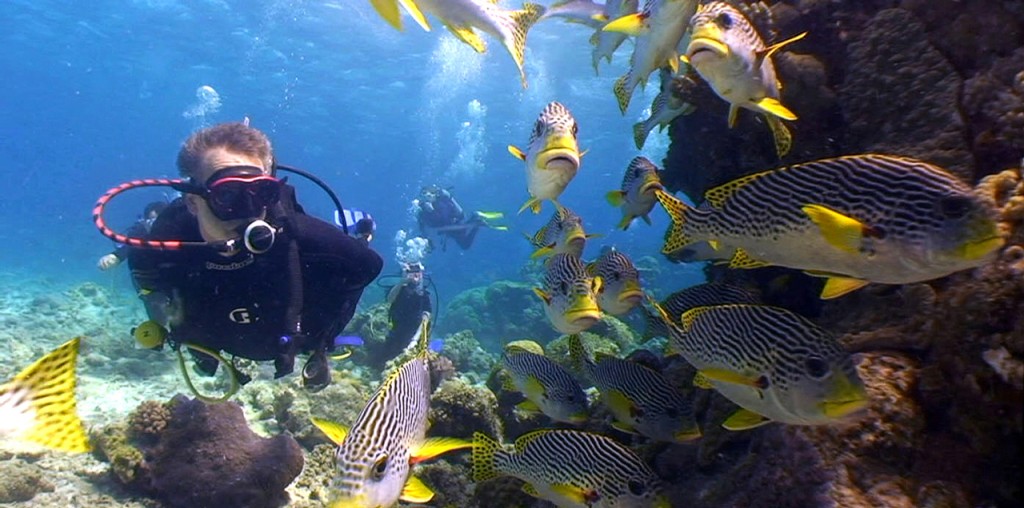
{"points": [[498, 312], [458, 409], [312, 488], [450, 482], [468, 355], [341, 401], [21, 481]]}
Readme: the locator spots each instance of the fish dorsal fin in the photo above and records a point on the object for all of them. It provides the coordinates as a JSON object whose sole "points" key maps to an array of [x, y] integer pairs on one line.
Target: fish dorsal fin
{"points": [[436, 446], [43, 398], [423, 341], [528, 438], [839, 286], [744, 419], [336, 432], [766, 53], [691, 315], [415, 491], [702, 381], [718, 196]]}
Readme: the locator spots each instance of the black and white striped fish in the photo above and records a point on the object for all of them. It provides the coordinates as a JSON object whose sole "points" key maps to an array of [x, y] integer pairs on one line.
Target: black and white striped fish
{"points": [[774, 364], [548, 387], [605, 43], [641, 399], [374, 459], [552, 155], [665, 107], [636, 195], [571, 469], [701, 295], [569, 294], [620, 282], [730, 55], [562, 233], [855, 219]]}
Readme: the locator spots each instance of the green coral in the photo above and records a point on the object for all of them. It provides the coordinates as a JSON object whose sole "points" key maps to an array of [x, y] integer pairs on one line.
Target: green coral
{"points": [[113, 444], [341, 401]]}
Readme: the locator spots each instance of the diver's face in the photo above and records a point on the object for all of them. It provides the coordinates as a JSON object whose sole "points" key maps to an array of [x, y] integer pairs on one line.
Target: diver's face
{"points": [[212, 228]]}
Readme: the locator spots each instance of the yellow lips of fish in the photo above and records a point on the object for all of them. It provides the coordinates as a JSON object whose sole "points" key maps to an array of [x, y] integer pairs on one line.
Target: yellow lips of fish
{"points": [[707, 37], [980, 249], [845, 397], [631, 293], [559, 153]]}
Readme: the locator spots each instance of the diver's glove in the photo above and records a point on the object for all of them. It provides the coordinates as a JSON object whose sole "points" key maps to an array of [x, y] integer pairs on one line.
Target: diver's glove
{"points": [[107, 262], [316, 374]]}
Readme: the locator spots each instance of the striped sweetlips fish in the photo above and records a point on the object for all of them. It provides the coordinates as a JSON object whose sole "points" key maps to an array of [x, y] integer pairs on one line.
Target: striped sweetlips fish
{"points": [[774, 364], [854, 220], [374, 459], [620, 282], [731, 56], [562, 233], [552, 155], [569, 294], [636, 195], [571, 469], [642, 400], [548, 387], [701, 295]]}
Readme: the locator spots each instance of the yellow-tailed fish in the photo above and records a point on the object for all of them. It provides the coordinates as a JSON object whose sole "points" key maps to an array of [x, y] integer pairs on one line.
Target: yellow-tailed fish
{"points": [[605, 43], [620, 288], [461, 17], [584, 12], [701, 295], [374, 459], [38, 406], [642, 400], [569, 294], [774, 364], [665, 107], [548, 387], [855, 220], [552, 155], [563, 233], [571, 469], [730, 55], [636, 196], [658, 28]]}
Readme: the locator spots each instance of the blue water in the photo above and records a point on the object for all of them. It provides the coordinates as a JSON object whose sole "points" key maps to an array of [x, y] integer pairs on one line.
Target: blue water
{"points": [[96, 93]]}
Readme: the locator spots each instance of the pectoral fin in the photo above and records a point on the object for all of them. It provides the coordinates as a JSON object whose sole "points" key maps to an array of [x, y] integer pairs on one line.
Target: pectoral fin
{"points": [[543, 251], [336, 432], [516, 152], [775, 108], [415, 491], [546, 298], [729, 376], [579, 495], [630, 24], [467, 35], [435, 446], [744, 419], [416, 13], [839, 286], [840, 231], [616, 197], [528, 406]]}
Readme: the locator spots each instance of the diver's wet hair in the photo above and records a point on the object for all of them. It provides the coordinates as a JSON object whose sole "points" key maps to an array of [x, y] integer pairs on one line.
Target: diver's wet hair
{"points": [[234, 136]]}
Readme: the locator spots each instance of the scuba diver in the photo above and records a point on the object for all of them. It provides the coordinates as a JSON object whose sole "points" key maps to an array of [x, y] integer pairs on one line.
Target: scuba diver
{"points": [[407, 301], [139, 229], [236, 266], [437, 210]]}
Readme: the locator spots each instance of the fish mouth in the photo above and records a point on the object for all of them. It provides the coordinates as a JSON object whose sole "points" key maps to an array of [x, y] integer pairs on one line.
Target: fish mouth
{"points": [[650, 186], [703, 47], [836, 409], [587, 315], [973, 251], [631, 296], [559, 156], [848, 397], [687, 435]]}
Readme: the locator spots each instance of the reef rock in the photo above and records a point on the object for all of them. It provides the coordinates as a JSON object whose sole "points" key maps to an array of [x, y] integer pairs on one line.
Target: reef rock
{"points": [[498, 313]]}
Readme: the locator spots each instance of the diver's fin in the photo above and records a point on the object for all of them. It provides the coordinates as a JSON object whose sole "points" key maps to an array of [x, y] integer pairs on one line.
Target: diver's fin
{"points": [[744, 419], [336, 432], [39, 403], [415, 491]]}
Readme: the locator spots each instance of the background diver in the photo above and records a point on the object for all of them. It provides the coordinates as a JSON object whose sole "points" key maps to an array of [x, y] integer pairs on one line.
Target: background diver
{"points": [[291, 289], [437, 211]]}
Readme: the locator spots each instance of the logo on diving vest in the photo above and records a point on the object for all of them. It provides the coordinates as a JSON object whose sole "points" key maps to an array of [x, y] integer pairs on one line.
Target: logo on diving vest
{"points": [[241, 316]]}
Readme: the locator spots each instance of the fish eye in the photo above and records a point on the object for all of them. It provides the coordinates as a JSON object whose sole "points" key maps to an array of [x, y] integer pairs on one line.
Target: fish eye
{"points": [[564, 286], [538, 128], [724, 20], [575, 129], [636, 487], [380, 467], [816, 367], [954, 207]]}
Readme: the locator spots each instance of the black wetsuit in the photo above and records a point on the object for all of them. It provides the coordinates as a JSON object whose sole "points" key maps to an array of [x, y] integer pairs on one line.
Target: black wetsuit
{"points": [[239, 304], [405, 315], [446, 217]]}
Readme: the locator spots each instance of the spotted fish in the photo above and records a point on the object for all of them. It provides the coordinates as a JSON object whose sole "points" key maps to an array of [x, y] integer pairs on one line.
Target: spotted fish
{"points": [[665, 107], [605, 43], [712, 293], [571, 469], [774, 364], [658, 27], [563, 233], [620, 290], [461, 17], [569, 294], [552, 156], [730, 55], [855, 220], [642, 400], [548, 387], [636, 196], [374, 459], [38, 406]]}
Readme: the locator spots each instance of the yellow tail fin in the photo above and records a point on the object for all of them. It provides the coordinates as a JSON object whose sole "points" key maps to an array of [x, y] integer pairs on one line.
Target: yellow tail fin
{"points": [[40, 402], [675, 238], [522, 20]]}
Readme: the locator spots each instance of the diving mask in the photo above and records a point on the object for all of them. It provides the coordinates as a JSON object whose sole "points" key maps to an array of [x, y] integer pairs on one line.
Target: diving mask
{"points": [[239, 192]]}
